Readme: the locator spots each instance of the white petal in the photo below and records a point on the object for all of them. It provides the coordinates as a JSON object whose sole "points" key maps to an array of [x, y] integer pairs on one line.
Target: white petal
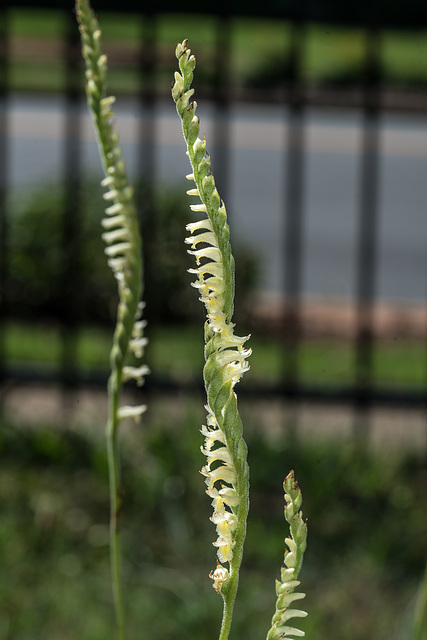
{"points": [[214, 268], [117, 249], [116, 221], [215, 434], [221, 453], [225, 473], [114, 209], [225, 549], [213, 253], [213, 283], [108, 181], [136, 373], [198, 207], [207, 237], [138, 327], [230, 496], [111, 195], [117, 234], [225, 516], [116, 264], [202, 224], [137, 345], [131, 412]]}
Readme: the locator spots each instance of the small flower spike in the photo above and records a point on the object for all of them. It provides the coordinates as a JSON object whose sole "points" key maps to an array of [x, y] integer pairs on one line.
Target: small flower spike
{"points": [[226, 472], [285, 588]]}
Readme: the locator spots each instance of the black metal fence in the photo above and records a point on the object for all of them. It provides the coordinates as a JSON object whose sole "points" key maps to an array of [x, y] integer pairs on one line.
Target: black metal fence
{"points": [[367, 93]]}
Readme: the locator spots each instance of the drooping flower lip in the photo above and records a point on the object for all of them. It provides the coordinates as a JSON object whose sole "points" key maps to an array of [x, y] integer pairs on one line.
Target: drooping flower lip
{"points": [[219, 576]]}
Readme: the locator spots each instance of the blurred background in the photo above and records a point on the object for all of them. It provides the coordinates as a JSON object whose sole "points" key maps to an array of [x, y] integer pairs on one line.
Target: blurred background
{"points": [[315, 115]]}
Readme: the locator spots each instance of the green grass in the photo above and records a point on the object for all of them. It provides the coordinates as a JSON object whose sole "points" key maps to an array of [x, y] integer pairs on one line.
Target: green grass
{"points": [[46, 75], [174, 352], [40, 23], [360, 573], [258, 50]]}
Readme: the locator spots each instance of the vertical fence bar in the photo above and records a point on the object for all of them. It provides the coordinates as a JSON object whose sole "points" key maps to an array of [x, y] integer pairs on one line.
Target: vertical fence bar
{"points": [[425, 362], [4, 89], [294, 209], [146, 159], [147, 98], [367, 236], [72, 277], [221, 98]]}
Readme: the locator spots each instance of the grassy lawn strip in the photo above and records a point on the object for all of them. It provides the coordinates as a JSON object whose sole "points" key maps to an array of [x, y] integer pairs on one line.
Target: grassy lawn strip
{"points": [[258, 49], [54, 534], [176, 352]]}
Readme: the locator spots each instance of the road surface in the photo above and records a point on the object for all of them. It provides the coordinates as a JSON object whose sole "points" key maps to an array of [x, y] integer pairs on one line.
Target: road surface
{"points": [[255, 198]]}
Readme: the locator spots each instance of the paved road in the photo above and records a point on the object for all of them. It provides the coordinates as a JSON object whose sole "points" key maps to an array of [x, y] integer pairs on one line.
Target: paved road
{"points": [[255, 201]]}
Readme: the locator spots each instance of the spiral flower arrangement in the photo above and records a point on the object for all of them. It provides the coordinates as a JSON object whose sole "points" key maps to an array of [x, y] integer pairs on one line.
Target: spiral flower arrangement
{"points": [[226, 471], [122, 235]]}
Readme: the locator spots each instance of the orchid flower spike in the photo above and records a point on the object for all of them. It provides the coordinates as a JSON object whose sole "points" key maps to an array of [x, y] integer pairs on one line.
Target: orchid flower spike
{"points": [[123, 249], [121, 229], [226, 472]]}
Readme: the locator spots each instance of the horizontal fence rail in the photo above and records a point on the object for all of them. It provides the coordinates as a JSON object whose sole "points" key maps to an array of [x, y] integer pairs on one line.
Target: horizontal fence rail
{"points": [[367, 93]]}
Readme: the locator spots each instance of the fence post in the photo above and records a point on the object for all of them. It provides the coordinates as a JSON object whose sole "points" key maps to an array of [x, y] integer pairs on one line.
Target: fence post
{"points": [[72, 278], [294, 211], [221, 98], [4, 64], [367, 236], [146, 159]]}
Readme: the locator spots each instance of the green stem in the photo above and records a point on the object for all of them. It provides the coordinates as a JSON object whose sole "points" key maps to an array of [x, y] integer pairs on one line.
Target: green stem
{"points": [[230, 591], [420, 613], [115, 502], [227, 615]]}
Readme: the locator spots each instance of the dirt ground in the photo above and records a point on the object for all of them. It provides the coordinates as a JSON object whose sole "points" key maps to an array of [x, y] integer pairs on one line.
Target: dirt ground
{"points": [[389, 428], [339, 318]]}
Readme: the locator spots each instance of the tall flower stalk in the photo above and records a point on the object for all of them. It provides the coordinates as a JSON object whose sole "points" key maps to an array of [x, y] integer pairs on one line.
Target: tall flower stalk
{"points": [[226, 471], [123, 250]]}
